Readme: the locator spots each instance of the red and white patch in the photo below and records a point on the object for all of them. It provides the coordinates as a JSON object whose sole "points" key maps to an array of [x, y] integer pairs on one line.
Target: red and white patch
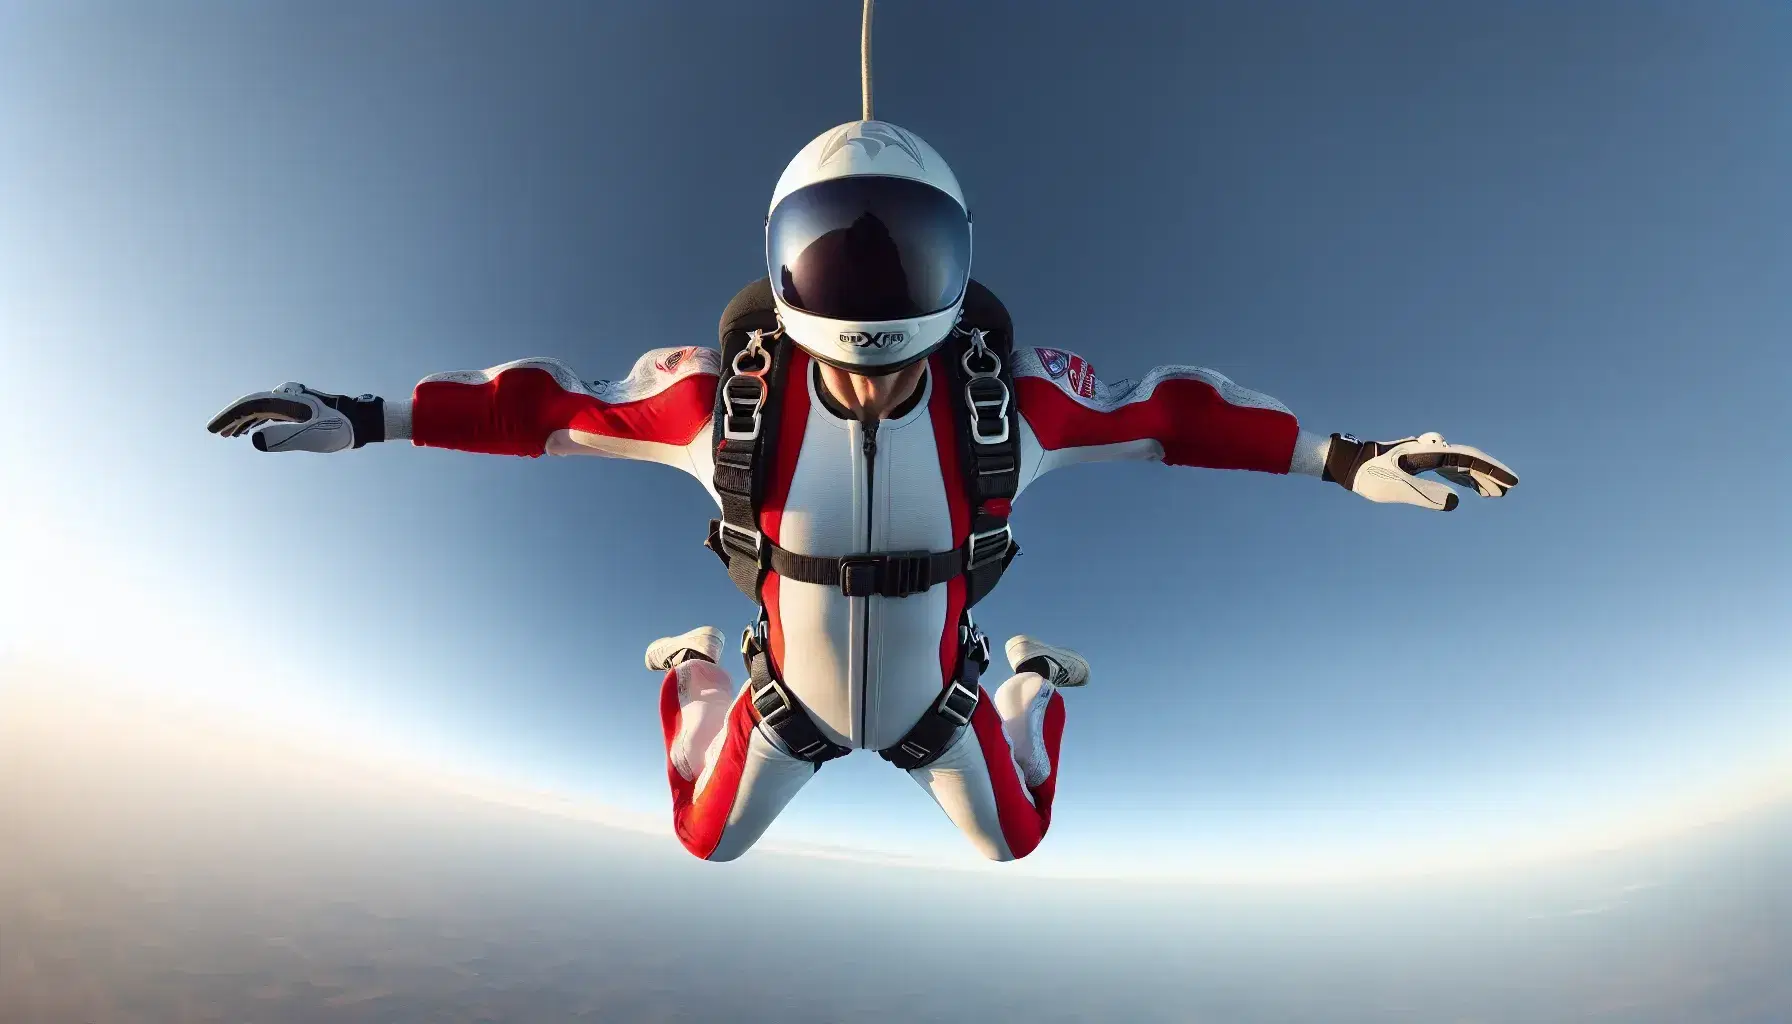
{"points": [[1069, 367], [1081, 377], [1053, 361], [670, 362]]}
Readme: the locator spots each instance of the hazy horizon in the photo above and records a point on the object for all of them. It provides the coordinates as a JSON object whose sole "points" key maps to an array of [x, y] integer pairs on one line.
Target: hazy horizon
{"points": [[162, 866]]}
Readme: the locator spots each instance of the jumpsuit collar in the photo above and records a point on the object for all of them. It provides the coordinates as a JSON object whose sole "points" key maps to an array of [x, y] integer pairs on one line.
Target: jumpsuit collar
{"points": [[840, 412]]}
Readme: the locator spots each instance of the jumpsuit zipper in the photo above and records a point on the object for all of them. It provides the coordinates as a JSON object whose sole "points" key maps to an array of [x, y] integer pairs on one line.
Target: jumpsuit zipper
{"points": [[870, 449]]}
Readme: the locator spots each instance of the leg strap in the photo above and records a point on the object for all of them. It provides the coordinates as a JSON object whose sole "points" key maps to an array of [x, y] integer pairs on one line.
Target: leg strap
{"points": [[941, 725], [777, 711]]}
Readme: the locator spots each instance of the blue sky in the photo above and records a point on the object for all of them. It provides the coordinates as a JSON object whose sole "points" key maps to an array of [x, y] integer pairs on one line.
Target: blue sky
{"points": [[1555, 233]]}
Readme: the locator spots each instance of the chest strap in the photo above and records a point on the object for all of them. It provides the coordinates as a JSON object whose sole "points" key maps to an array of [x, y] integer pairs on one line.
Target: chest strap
{"points": [[989, 451], [896, 574]]}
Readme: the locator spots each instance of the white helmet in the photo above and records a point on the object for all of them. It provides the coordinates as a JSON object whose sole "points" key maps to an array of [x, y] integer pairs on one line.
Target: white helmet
{"points": [[868, 244]]}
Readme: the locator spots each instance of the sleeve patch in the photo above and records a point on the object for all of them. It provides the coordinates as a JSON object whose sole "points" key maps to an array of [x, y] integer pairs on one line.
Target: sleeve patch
{"points": [[1076, 373], [656, 371], [1075, 376]]}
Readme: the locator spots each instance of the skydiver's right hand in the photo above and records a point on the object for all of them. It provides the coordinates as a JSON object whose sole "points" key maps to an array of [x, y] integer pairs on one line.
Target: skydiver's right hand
{"points": [[294, 418], [1389, 470]]}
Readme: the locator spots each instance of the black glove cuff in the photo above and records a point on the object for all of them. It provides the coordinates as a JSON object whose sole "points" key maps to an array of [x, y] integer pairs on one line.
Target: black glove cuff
{"points": [[366, 415], [1345, 456]]}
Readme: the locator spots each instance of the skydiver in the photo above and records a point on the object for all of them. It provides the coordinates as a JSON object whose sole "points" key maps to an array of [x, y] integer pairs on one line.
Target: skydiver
{"points": [[863, 426]]}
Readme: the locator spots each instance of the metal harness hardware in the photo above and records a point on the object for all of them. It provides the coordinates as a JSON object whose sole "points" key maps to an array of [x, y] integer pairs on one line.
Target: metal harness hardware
{"points": [[985, 393], [787, 723], [886, 575], [747, 402], [755, 367], [746, 390], [897, 574], [783, 718], [981, 552], [992, 453], [748, 544], [940, 727]]}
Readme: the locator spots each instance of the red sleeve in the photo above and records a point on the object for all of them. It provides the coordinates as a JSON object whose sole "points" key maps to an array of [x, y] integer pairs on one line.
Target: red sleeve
{"points": [[515, 408], [1183, 415]]}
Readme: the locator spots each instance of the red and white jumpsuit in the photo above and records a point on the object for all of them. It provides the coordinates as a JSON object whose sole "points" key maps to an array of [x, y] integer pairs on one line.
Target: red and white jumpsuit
{"points": [[866, 668]]}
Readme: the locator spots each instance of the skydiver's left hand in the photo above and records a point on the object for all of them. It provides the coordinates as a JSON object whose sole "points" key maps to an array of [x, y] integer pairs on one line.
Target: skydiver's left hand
{"points": [[295, 418], [1389, 470]]}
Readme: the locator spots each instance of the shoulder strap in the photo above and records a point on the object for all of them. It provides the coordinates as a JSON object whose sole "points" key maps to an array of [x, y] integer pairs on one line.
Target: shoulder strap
{"points": [[980, 371], [754, 363]]}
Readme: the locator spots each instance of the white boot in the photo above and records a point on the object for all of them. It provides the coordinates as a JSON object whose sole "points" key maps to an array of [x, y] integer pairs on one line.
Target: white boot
{"points": [[1067, 667], [704, 694], [1021, 702], [668, 651]]}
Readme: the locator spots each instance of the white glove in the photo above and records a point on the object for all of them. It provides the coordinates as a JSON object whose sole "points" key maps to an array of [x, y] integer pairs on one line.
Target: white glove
{"points": [[294, 418], [1388, 470]]}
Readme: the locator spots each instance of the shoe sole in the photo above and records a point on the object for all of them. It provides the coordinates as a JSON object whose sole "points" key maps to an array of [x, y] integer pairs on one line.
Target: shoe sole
{"points": [[693, 640], [1066, 658]]}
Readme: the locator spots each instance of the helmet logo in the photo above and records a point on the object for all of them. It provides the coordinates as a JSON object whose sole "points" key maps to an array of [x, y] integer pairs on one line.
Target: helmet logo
{"points": [[872, 339], [872, 137]]}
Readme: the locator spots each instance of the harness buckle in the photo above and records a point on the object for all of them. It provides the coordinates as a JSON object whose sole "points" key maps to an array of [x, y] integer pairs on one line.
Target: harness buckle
{"points": [[980, 350], [738, 540], [973, 651], [988, 399], [974, 642], [771, 703], [753, 638], [984, 391], [816, 748], [993, 465], [951, 712], [957, 704], [859, 576], [914, 750], [773, 706], [743, 396], [894, 575], [977, 555]]}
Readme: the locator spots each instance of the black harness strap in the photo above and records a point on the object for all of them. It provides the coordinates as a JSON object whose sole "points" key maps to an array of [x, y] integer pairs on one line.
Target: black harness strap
{"points": [[988, 433], [896, 574], [935, 732], [755, 363], [778, 711], [893, 575], [746, 432], [981, 364], [979, 378]]}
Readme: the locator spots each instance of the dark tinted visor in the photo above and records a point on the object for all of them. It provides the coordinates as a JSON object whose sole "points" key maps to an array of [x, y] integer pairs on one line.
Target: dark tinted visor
{"points": [[869, 248]]}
